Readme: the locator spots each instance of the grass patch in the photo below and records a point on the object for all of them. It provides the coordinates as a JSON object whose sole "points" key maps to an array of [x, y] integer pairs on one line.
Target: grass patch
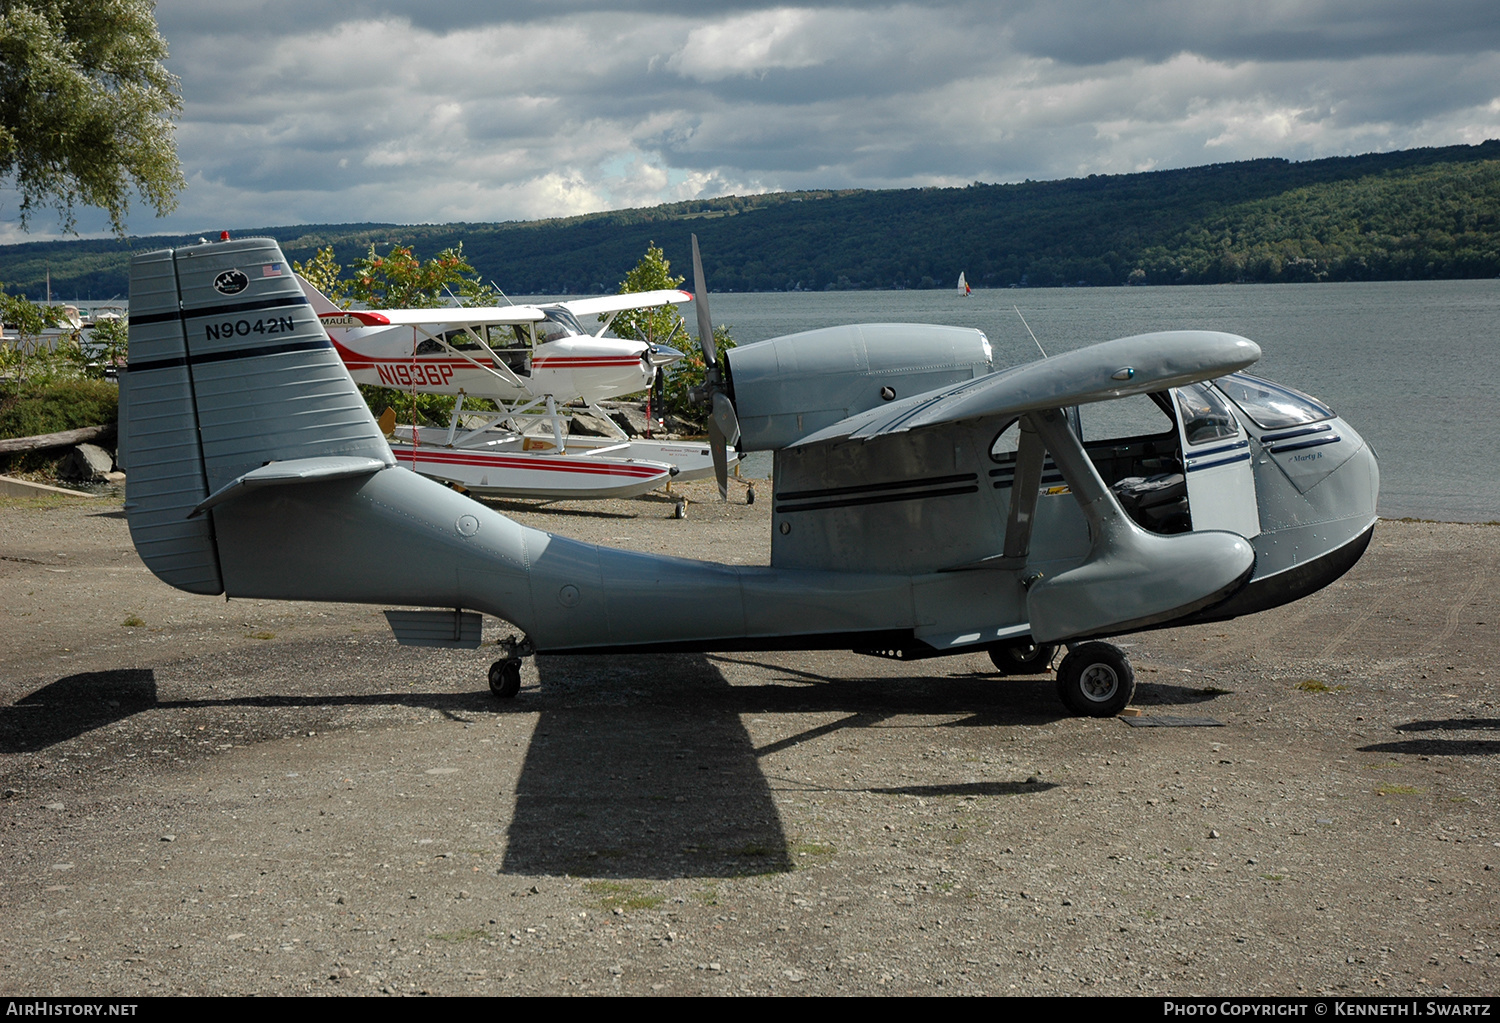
{"points": [[256, 635], [1313, 685], [623, 895], [1385, 765], [133, 622], [755, 851], [1399, 790], [1214, 691], [1273, 877], [817, 849], [464, 935]]}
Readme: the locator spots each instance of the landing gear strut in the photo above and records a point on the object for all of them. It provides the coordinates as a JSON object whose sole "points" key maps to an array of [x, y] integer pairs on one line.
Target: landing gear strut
{"points": [[1022, 657], [505, 674]]}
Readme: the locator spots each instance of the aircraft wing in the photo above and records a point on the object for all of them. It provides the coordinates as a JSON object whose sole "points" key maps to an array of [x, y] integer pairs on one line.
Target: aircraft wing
{"points": [[619, 303], [455, 316], [1112, 369]]}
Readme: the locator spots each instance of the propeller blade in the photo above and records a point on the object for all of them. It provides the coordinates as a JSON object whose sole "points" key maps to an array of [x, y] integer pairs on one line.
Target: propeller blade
{"points": [[705, 321], [725, 419], [721, 458]]}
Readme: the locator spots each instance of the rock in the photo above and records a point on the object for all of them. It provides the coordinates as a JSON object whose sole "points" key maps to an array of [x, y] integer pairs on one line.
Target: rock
{"points": [[87, 462], [589, 426], [631, 420]]}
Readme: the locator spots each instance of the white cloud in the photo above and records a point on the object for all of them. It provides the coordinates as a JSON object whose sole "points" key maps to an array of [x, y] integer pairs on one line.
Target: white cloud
{"points": [[750, 44], [393, 111]]}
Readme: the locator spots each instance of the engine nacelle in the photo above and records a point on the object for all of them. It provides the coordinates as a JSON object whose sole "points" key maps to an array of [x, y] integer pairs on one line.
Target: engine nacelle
{"points": [[786, 388]]}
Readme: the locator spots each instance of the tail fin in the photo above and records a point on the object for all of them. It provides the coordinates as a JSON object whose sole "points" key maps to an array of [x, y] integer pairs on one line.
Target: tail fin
{"points": [[229, 370]]}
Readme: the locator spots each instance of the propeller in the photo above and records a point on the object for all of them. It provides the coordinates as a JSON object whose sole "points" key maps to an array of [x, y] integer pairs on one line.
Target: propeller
{"points": [[723, 424]]}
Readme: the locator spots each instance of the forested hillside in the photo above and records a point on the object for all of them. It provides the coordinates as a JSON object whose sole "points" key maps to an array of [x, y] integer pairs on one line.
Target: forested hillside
{"points": [[1415, 214]]}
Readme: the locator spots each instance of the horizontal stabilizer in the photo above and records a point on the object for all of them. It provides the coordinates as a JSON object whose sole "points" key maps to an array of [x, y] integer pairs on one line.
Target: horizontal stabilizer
{"points": [[1113, 369], [297, 470]]}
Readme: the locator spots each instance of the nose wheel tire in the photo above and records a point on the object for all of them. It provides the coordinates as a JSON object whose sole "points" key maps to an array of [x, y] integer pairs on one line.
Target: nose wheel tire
{"points": [[1022, 657], [505, 678], [1096, 680]]}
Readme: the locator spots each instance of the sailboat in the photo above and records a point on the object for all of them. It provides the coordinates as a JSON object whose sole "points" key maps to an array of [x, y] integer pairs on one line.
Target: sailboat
{"points": [[963, 285]]}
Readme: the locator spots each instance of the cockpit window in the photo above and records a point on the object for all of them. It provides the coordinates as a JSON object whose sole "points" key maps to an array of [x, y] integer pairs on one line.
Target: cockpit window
{"points": [[559, 324], [1272, 406], [1205, 414]]}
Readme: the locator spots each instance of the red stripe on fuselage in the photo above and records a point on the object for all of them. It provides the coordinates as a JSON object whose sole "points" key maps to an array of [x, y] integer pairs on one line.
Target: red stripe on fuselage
{"points": [[522, 462]]}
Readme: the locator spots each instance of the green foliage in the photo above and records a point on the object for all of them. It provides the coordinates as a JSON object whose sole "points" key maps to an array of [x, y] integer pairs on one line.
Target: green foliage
{"points": [[85, 107], [654, 326], [1415, 214], [323, 272], [399, 280], [55, 406], [665, 325], [413, 406], [39, 345]]}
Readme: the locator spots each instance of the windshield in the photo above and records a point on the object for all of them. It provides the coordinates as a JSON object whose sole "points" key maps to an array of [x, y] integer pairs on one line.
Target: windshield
{"points": [[559, 324], [1272, 406]]}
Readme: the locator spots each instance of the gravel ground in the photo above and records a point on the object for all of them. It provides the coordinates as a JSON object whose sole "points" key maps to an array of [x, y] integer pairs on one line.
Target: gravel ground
{"points": [[217, 798]]}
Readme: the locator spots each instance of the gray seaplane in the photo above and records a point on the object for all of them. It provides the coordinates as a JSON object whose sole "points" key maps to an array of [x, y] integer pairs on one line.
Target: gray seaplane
{"points": [[924, 504]]}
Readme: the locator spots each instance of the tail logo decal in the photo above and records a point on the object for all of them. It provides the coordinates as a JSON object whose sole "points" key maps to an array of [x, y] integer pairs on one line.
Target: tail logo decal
{"points": [[231, 282]]}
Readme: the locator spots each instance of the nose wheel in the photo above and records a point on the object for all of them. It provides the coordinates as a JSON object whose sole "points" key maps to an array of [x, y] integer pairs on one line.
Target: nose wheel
{"points": [[1096, 680]]}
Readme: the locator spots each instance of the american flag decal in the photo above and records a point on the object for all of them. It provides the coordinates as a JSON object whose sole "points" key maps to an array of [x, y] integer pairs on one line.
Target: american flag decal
{"points": [[271, 270]]}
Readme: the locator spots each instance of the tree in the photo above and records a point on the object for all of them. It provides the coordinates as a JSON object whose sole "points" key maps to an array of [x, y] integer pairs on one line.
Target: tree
{"points": [[86, 107], [323, 272], [654, 326], [664, 325], [399, 280]]}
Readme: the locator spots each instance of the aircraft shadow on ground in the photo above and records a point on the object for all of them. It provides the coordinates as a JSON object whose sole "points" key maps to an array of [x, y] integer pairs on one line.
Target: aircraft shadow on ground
{"points": [[642, 767], [71, 706], [1443, 746], [643, 789], [78, 704]]}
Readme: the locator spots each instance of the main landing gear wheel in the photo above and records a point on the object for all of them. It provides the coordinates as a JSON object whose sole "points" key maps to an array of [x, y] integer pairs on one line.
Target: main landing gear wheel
{"points": [[1096, 680], [1022, 657], [505, 678]]}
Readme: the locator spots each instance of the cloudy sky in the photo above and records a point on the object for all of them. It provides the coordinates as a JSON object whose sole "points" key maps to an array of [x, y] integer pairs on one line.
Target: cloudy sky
{"points": [[385, 110]]}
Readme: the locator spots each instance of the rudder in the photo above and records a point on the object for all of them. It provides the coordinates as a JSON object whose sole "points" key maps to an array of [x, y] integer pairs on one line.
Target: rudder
{"points": [[229, 370]]}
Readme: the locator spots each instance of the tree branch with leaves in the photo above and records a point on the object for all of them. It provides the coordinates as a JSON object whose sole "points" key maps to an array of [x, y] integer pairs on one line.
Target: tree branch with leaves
{"points": [[86, 108]]}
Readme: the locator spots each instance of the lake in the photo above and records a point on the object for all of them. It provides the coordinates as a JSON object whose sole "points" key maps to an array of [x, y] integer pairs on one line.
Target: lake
{"points": [[1414, 366]]}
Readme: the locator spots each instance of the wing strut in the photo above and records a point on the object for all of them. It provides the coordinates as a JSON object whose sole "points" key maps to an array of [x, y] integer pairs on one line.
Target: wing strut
{"points": [[1030, 454]]}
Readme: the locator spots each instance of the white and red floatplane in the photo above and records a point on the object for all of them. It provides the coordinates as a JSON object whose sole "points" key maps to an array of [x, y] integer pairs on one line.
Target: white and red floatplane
{"points": [[531, 361]]}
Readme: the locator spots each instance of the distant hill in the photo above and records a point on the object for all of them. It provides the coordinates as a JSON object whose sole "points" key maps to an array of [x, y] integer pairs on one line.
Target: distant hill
{"points": [[1414, 214]]}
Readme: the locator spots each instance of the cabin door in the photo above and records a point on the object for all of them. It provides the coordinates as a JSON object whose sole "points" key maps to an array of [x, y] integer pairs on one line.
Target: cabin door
{"points": [[1216, 460]]}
